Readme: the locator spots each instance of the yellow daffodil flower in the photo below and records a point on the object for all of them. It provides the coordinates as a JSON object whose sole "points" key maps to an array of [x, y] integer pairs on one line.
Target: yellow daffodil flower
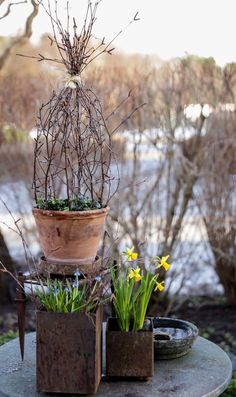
{"points": [[135, 273], [164, 263], [160, 286], [130, 255]]}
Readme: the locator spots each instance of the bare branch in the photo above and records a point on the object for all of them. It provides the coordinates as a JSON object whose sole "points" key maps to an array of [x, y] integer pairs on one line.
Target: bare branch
{"points": [[8, 10], [20, 40]]}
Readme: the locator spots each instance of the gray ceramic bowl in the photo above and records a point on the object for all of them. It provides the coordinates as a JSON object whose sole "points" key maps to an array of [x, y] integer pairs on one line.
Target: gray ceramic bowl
{"points": [[172, 338]]}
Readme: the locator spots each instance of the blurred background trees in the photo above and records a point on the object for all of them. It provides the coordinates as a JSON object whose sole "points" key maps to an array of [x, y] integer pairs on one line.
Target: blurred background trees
{"points": [[14, 113], [176, 157]]}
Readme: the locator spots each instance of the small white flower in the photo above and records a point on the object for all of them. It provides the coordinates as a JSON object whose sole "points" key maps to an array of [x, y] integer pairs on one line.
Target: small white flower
{"points": [[75, 284]]}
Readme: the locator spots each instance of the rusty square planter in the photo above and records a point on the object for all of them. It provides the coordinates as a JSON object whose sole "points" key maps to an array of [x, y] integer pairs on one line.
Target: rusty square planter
{"points": [[129, 354], [68, 358]]}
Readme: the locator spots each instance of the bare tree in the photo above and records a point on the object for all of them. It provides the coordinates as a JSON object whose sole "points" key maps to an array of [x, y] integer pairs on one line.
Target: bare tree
{"points": [[218, 194], [9, 50], [156, 209]]}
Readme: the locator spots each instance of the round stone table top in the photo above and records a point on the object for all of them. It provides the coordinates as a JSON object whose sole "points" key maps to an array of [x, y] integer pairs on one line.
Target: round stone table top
{"points": [[204, 372]]}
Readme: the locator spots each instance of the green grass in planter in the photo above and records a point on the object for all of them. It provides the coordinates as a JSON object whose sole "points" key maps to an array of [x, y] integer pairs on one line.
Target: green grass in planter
{"points": [[68, 298], [76, 204]]}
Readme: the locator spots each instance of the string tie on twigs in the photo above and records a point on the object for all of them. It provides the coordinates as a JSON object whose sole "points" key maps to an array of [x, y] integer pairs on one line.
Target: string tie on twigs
{"points": [[72, 81]]}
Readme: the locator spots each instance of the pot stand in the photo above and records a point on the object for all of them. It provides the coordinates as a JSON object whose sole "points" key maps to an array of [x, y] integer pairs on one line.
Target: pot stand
{"points": [[51, 269]]}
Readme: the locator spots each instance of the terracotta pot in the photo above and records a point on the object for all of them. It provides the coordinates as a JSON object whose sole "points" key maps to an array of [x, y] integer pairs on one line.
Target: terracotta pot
{"points": [[70, 237], [68, 352], [129, 354]]}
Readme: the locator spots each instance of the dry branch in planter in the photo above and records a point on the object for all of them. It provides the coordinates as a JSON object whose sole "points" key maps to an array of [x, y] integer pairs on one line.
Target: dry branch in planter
{"points": [[73, 148]]}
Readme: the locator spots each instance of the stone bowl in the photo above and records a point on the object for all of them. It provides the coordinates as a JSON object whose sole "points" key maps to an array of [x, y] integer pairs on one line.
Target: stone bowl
{"points": [[173, 338]]}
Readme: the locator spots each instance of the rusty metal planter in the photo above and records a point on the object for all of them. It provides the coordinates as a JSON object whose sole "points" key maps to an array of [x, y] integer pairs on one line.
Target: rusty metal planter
{"points": [[128, 354], [68, 352]]}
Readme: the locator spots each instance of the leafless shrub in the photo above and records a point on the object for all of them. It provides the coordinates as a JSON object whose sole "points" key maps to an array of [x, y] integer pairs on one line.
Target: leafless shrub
{"points": [[217, 192], [158, 212]]}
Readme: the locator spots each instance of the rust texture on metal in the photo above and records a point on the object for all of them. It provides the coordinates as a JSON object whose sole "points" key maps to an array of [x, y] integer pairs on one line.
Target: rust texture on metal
{"points": [[128, 354], [68, 352], [47, 268], [20, 307]]}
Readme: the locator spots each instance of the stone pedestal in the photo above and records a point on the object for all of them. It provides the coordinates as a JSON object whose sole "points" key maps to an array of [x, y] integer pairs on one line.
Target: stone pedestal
{"points": [[204, 372]]}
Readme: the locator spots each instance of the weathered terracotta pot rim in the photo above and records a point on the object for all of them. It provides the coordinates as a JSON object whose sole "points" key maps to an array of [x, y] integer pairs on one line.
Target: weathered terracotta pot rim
{"points": [[71, 214]]}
